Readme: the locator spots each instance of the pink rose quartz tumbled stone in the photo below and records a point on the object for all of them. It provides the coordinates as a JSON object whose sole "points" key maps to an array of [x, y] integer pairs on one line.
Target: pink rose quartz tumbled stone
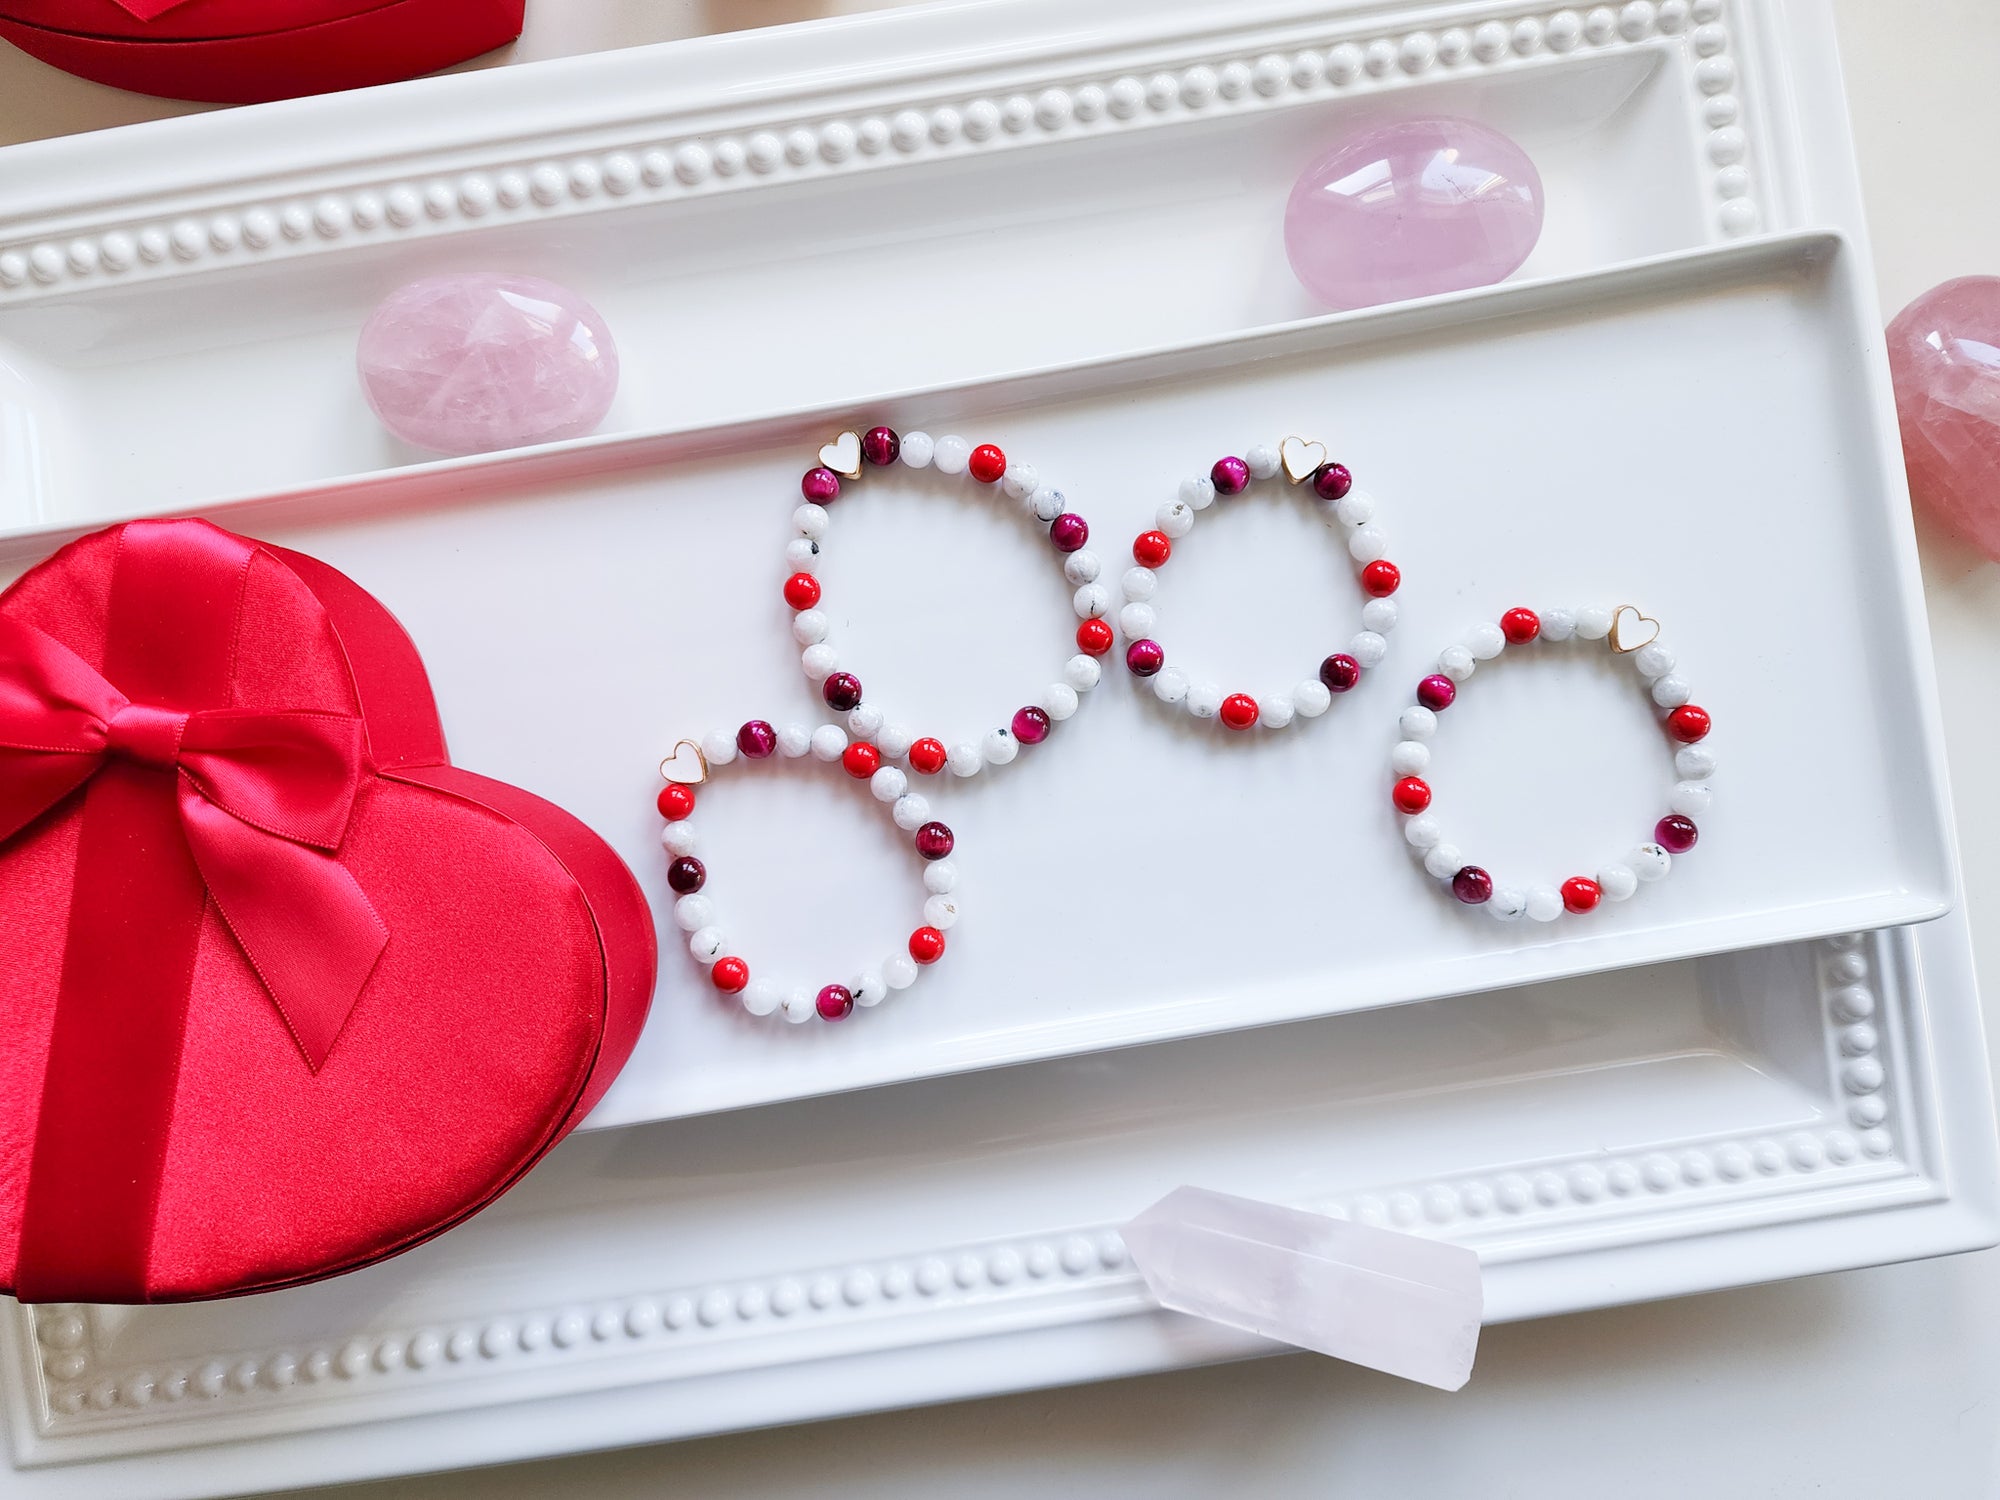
{"points": [[1944, 354], [470, 363], [1410, 209]]}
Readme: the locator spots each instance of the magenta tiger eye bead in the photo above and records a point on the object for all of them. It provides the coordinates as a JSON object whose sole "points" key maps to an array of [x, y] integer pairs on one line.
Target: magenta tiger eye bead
{"points": [[880, 446], [842, 691], [1144, 658], [1031, 725], [1230, 476], [1472, 885], [834, 1003], [934, 840], [1437, 692], [1339, 672], [1676, 834], [1069, 531], [1332, 481], [821, 485], [756, 739]]}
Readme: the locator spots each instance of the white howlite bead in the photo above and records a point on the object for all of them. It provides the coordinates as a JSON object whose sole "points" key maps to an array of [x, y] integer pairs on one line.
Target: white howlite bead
{"points": [[940, 877], [999, 747], [1262, 459], [1275, 711], [828, 741], [1443, 861], [899, 971], [918, 449], [941, 911], [1456, 663], [864, 721], [871, 988], [1650, 862], [819, 660], [1082, 672], [718, 747], [678, 838], [894, 740], [1019, 481], [1204, 699], [911, 811], [1422, 831], [809, 627], [1380, 616], [1618, 882], [1509, 903], [1694, 762], [794, 740], [1170, 685], [1355, 508], [1366, 544], [1139, 584], [811, 520], [1311, 698], [800, 1006], [761, 997], [888, 784], [1082, 566], [706, 944], [1593, 623], [1058, 701], [1197, 493], [1485, 641], [802, 554], [1047, 502], [1689, 798], [1545, 903], [953, 454], [1655, 660], [1368, 648], [1672, 690], [1417, 722], [1558, 624], [692, 913], [1136, 621], [1092, 601], [964, 759], [1175, 518], [1409, 757]]}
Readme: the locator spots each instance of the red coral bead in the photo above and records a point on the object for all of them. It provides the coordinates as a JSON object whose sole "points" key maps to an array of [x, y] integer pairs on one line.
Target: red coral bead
{"points": [[1151, 548], [802, 591], [1239, 710], [861, 760], [1520, 626], [1094, 637], [927, 945], [1688, 723], [927, 756], [1412, 794], [987, 463], [1381, 578], [676, 801], [730, 975], [1580, 895]]}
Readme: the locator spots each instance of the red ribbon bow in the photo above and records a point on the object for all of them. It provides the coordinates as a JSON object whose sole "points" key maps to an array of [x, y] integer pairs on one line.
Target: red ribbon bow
{"points": [[263, 797]]}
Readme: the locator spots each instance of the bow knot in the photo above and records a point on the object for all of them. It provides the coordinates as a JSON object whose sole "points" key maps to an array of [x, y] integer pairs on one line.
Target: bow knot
{"points": [[151, 736]]}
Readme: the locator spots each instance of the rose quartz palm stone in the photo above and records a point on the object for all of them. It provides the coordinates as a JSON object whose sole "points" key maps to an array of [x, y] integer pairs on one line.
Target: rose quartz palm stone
{"points": [[1944, 353], [467, 364], [1410, 209]]}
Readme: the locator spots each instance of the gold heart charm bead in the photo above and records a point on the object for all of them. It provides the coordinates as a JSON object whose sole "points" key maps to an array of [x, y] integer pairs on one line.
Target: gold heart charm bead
{"points": [[843, 455], [1630, 630], [687, 766], [1301, 458]]}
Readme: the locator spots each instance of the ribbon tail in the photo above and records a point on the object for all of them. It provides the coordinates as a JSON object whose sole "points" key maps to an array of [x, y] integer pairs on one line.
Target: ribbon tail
{"points": [[33, 781], [302, 920]]}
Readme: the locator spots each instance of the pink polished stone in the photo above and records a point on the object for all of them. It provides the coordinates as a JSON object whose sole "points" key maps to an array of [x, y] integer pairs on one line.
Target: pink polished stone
{"points": [[467, 364], [1410, 209], [1944, 352]]}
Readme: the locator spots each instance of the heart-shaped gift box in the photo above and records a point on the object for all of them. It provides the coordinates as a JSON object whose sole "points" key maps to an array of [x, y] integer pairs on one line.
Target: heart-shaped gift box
{"points": [[283, 991]]}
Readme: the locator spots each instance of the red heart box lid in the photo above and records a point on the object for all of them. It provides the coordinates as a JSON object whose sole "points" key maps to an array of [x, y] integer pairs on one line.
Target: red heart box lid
{"points": [[177, 1118]]}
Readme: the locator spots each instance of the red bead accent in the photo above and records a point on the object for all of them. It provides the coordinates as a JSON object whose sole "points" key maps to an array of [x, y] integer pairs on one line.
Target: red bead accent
{"points": [[676, 801], [802, 591], [834, 1003], [1381, 578], [1520, 626], [1094, 637], [1580, 895], [1676, 834], [730, 975], [1239, 710], [987, 463], [1151, 548], [1472, 885], [1437, 692], [927, 756], [1688, 723], [861, 760], [927, 945], [686, 875], [1412, 794]]}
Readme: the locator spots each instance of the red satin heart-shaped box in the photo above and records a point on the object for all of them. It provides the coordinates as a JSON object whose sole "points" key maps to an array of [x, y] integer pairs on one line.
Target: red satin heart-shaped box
{"points": [[284, 991]]}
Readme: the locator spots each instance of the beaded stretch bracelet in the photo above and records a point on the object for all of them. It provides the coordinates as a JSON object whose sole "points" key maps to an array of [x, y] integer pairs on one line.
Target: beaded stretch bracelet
{"points": [[690, 765], [1628, 633], [1301, 462], [846, 457]]}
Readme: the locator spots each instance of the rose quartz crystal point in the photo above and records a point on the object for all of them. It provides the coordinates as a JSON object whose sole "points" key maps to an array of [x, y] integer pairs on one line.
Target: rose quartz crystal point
{"points": [[1410, 209], [1944, 354], [467, 364]]}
